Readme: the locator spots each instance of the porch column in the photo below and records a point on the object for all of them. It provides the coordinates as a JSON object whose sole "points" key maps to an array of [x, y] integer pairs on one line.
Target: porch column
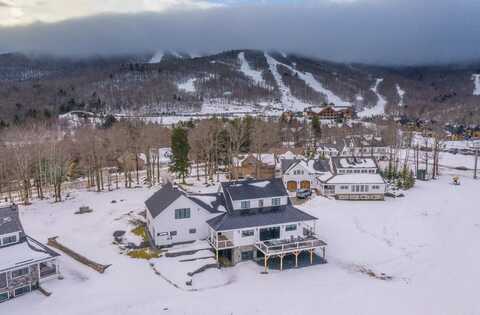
{"points": [[266, 263], [323, 252], [311, 256], [281, 261], [296, 258]]}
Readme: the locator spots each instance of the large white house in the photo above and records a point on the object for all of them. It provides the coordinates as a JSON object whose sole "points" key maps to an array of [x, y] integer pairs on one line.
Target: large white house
{"points": [[354, 178], [246, 220], [24, 262]]}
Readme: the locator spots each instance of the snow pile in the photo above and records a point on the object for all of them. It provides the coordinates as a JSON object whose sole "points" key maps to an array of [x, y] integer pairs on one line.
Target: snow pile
{"points": [[157, 57], [401, 94], [476, 81], [255, 75], [188, 86], [379, 108]]}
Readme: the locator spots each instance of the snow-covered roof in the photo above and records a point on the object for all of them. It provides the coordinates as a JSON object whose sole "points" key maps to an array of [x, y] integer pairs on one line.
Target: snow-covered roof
{"points": [[356, 163], [24, 253], [357, 179]]}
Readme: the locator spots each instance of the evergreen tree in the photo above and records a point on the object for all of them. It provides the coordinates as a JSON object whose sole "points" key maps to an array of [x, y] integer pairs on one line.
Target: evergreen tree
{"points": [[180, 149]]}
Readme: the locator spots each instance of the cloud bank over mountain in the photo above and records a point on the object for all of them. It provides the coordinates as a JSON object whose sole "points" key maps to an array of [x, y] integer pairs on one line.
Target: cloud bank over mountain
{"points": [[370, 31]]}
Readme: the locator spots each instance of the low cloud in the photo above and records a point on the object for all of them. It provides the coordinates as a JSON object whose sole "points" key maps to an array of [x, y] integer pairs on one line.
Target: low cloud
{"points": [[381, 32]]}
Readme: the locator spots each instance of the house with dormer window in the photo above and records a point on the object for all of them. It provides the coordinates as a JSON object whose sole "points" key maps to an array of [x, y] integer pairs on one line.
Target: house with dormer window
{"points": [[24, 262], [252, 219]]}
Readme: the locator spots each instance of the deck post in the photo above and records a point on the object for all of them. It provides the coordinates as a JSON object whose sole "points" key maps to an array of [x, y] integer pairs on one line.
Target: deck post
{"points": [[281, 262], [323, 252], [216, 254], [311, 257], [266, 263], [296, 258]]}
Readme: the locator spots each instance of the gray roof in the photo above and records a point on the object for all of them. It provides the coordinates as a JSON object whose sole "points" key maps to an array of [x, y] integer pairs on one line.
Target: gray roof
{"points": [[215, 205], [10, 220], [321, 165], [254, 189], [286, 163], [259, 217], [351, 160], [160, 200], [164, 197]]}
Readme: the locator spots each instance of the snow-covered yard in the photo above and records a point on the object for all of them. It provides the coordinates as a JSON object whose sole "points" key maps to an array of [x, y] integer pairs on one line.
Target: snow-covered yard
{"points": [[427, 241]]}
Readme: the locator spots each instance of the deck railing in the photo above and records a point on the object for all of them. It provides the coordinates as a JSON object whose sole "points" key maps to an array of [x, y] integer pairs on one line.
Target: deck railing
{"points": [[285, 246], [221, 243]]}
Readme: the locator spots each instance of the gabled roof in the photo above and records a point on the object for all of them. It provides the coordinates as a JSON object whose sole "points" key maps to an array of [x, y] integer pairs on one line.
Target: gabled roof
{"points": [[254, 189], [10, 220], [340, 162], [356, 179], [285, 164], [259, 217], [159, 201], [312, 166]]}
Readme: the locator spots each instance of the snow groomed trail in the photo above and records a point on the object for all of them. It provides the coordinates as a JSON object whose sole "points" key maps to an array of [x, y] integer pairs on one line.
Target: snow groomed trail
{"points": [[379, 108], [245, 68]]}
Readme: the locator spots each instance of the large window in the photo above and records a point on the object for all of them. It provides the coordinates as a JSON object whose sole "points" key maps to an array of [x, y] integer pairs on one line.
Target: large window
{"points": [[183, 213], [19, 272], [276, 201], [9, 239], [247, 233], [291, 227], [3, 296], [3, 280], [22, 290], [245, 204]]}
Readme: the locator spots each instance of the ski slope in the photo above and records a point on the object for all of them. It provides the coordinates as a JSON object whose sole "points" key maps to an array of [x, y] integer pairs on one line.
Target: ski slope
{"points": [[401, 94], [289, 101], [476, 82], [379, 108], [157, 57], [245, 68], [188, 86]]}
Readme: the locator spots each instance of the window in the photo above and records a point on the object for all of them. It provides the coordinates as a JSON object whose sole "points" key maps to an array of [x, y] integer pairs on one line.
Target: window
{"points": [[344, 187], [3, 280], [291, 227], [183, 213], [275, 201], [9, 239], [247, 233], [248, 255], [22, 290], [375, 187], [162, 234], [19, 272], [245, 204], [173, 233], [192, 231], [3, 296], [260, 203]]}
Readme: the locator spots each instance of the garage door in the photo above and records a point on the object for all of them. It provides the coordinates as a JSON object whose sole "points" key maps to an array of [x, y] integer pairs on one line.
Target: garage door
{"points": [[305, 184], [292, 186]]}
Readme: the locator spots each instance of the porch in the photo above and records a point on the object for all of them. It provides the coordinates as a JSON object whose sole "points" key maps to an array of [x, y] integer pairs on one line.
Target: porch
{"points": [[292, 246]]}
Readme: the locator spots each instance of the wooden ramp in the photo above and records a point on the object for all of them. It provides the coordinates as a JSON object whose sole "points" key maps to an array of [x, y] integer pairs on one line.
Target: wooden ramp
{"points": [[52, 241]]}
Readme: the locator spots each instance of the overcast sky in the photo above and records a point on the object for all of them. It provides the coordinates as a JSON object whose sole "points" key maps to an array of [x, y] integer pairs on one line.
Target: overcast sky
{"points": [[372, 31]]}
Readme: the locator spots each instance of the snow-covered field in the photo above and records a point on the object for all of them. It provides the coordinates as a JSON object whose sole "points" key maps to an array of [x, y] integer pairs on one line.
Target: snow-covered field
{"points": [[427, 241]]}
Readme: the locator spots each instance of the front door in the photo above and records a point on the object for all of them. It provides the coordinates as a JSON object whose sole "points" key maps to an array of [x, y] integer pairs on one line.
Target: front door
{"points": [[271, 233]]}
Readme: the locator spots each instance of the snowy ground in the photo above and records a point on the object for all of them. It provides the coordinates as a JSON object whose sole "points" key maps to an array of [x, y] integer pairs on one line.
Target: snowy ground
{"points": [[427, 241], [379, 108]]}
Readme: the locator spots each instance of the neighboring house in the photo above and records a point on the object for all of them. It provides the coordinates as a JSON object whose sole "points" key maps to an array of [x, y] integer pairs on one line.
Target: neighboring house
{"points": [[302, 174], [251, 166], [24, 262], [261, 222], [353, 178], [365, 145], [174, 216], [244, 220]]}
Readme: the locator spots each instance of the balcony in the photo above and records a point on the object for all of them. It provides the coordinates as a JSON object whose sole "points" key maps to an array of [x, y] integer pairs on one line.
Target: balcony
{"points": [[285, 246], [220, 242]]}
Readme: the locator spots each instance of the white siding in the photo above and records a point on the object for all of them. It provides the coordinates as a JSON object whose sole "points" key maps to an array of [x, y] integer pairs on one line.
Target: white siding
{"points": [[165, 222], [267, 202]]}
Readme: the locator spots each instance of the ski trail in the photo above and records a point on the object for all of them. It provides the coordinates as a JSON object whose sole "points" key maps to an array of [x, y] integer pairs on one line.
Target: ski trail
{"points": [[476, 82], [288, 100], [401, 94], [255, 75], [379, 108], [157, 57], [187, 86], [313, 83]]}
